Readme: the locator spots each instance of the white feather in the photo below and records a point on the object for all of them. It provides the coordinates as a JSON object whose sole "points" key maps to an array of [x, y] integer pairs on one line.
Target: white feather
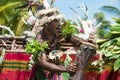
{"points": [[46, 4]]}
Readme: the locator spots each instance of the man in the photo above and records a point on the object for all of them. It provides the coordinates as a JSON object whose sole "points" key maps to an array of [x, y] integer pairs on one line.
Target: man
{"points": [[51, 32], [49, 20]]}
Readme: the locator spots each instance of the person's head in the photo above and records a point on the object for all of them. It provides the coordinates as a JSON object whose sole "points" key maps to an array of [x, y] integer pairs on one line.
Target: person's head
{"points": [[53, 27], [49, 19]]}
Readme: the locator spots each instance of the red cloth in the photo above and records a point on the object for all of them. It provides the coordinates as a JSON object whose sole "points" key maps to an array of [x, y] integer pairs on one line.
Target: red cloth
{"points": [[106, 74], [15, 67]]}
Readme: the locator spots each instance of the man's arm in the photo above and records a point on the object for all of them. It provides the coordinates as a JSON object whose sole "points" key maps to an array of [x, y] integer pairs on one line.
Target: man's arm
{"points": [[75, 40], [78, 42], [52, 67]]}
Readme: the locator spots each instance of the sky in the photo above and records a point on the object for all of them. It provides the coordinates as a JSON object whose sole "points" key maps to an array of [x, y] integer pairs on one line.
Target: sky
{"points": [[93, 7]]}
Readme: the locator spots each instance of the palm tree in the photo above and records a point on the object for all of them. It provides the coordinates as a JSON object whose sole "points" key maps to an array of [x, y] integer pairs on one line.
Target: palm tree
{"points": [[103, 29], [9, 16]]}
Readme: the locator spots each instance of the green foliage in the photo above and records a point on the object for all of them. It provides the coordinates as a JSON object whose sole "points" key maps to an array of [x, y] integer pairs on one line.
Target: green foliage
{"points": [[99, 16], [118, 42], [117, 64], [103, 31], [111, 47], [115, 30], [115, 27], [35, 47], [69, 29], [117, 20], [11, 17], [111, 50]]}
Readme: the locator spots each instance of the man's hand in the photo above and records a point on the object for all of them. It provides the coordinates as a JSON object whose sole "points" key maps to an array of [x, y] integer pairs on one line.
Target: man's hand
{"points": [[72, 68], [75, 40]]}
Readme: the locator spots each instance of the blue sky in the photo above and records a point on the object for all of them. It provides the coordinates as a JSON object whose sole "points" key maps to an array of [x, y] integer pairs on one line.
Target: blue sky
{"points": [[93, 6]]}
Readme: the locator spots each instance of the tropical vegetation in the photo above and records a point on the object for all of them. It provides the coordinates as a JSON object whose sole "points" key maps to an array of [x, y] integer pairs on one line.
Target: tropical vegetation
{"points": [[110, 47], [11, 16], [103, 29]]}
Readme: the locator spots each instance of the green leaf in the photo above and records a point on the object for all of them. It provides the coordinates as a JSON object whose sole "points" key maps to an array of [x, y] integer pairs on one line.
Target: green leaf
{"points": [[69, 29], [35, 47], [8, 5], [116, 52], [117, 20], [107, 44], [114, 56], [20, 27], [117, 64]]}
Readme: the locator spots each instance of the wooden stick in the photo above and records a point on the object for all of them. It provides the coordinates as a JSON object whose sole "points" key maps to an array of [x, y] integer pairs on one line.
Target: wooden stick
{"points": [[13, 44]]}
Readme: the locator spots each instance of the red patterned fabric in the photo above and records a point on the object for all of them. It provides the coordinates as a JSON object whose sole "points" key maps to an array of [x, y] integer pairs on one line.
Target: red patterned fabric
{"points": [[106, 74], [15, 66]]}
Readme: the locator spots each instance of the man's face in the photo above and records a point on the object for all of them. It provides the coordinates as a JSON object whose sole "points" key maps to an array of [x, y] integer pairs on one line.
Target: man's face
{"points": [[53, 27]]}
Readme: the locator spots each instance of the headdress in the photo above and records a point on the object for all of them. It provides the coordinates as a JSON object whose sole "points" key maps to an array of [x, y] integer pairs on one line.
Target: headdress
{"points": [[46, 16]]}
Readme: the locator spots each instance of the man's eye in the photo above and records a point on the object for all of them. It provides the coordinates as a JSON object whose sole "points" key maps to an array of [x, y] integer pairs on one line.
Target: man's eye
{"points": [[58, 28]]}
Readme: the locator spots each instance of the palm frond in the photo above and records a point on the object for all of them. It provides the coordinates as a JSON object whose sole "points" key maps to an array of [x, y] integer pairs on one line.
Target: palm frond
{"points": [[19, 27], [8, 5], [111, 9], [10, 16], [2, 19]]}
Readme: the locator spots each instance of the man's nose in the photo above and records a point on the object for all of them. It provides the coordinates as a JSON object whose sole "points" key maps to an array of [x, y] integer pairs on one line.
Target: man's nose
{"points": [[58, 23]]}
